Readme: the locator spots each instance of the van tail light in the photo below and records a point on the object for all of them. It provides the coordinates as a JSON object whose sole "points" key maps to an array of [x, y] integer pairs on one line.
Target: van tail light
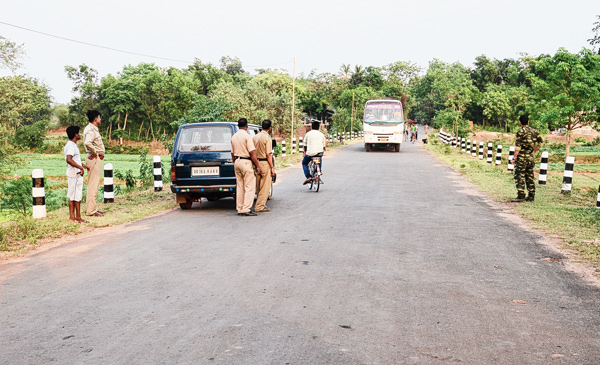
{"points": [[173, 173]]}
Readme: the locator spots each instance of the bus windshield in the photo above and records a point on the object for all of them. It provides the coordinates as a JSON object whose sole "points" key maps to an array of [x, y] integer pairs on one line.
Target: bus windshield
{"points": [[383, 112]]}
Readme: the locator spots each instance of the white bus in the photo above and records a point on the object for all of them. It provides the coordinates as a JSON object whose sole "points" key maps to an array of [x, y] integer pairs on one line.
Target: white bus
{"points": [[384, 124]]}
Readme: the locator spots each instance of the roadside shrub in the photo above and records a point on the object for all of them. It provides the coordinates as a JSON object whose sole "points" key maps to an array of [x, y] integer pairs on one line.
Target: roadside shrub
{"points": [[146, 170], [3, 239], [580, 140], [56, 199], [16, 195], [128, 177], [31, 136]]}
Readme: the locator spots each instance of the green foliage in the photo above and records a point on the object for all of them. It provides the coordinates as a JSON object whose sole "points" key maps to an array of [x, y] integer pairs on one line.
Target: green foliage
{"points": [[130, 180], [146, 177], [11, 54], [567, 90], [30, 136], [16, 195]]}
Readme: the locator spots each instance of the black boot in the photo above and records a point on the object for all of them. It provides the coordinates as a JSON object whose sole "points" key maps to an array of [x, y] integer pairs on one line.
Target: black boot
{"points": [[530, 198], [519, 199]]}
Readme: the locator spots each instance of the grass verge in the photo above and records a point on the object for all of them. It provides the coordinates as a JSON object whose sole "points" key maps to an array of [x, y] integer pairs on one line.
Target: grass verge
{"points": [[572, 217]]}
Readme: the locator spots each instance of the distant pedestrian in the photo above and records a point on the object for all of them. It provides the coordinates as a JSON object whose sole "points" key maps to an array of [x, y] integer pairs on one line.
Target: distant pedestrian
{"points": [[426, 129], [264, 154], [94, 147], [529, 141], [243, 155], [74, 174]]}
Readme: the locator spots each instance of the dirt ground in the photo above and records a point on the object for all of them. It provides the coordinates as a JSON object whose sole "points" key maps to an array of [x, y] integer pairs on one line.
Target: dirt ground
{"points": [[588, 133]]}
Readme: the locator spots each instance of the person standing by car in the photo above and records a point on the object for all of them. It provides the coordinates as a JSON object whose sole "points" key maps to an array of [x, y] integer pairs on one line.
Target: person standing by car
{"points": [[94, 147], [315, 146], [529, 141], [74, 174], [264, 154], [243, 155]]}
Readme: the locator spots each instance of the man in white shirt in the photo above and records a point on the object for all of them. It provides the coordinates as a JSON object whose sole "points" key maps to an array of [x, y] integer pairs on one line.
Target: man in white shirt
{"points": [[74, 174], [315, 146]]}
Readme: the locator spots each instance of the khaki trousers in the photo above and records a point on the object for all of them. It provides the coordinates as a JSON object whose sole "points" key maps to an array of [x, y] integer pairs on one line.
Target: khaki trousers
{"points": [[93, 183], [263, 185], [246, 185]]}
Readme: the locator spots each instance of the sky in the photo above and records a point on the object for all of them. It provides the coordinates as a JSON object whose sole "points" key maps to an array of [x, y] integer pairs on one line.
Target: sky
{"points": [[320, 34]]}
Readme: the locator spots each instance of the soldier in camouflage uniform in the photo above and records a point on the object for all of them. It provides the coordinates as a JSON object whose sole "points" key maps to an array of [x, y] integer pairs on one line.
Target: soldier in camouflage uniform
{"points": [[529, 141]]}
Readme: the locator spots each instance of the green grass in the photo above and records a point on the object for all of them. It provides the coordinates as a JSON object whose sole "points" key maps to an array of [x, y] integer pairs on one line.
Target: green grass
{"points": [[572, 217], [55, 165]]}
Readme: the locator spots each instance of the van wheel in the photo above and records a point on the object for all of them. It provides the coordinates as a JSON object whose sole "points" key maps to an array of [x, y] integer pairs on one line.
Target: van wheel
{"points": [[367, 147], [397, 147], [187, 205]]}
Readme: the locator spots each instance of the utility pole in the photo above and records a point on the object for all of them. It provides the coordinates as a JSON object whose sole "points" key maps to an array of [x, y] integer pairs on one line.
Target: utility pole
{"points": [[293, 98]]}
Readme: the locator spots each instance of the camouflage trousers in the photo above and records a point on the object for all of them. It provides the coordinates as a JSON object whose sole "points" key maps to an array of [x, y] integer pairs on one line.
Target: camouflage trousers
{"points": [[524, 175]]}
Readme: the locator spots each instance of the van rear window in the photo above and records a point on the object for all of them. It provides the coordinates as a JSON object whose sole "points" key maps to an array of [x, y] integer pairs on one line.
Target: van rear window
{"points": [[205, 138]]}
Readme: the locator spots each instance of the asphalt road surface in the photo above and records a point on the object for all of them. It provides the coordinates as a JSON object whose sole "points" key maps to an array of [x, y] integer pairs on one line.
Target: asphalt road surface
{"points": [[392, 262]]}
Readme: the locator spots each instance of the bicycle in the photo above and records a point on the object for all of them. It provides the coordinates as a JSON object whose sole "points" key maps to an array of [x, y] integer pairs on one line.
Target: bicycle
{"points": [[314, 167]]}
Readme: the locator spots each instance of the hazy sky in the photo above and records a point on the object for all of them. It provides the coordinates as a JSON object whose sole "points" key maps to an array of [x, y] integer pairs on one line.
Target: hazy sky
{"points": [[321, 34]]}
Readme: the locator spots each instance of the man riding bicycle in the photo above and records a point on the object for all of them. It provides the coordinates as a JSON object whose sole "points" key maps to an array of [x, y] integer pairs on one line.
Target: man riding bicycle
{"points": [[315, 146]]}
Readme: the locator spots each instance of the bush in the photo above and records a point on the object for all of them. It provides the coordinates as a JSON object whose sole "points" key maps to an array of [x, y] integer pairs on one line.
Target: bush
{"points": [[128, 177], [580, 140], [31, 136], [16, 195]]}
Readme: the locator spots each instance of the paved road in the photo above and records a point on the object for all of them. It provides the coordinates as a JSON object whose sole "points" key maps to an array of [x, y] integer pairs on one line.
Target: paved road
{"points": [[390, 263]]}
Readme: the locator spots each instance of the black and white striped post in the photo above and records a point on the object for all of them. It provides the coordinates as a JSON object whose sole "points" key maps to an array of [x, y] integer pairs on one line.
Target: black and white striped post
{"points": [[453, 142], [499, 155], [158, 184], [283, 148], [489, 152], [109, 193], [39, 193], [481, 150], [463, 145], [293, 145], [568, 175], [474, 149], [300, 144], [339, 137], [511, 157], [468, 150], [543, 168], [598, 198]]}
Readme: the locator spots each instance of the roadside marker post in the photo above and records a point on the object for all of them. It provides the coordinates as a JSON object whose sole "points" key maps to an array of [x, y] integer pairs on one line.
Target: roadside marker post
{"points": [[464, 145], [543, 168], [468, 150], [38, 193], [499, 155], [109, 194], [158, 184], [568, 175], [489, 152], [453, 142], [293, 145], [511, 156], [283, 148], [598, 198], [481, 150], [474, 149], [300, 144]]}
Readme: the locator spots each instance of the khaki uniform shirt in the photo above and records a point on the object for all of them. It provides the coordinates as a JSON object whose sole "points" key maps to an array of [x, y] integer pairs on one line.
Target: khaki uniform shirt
{"points": [[92, 140], [263, 144], [241, 144]]}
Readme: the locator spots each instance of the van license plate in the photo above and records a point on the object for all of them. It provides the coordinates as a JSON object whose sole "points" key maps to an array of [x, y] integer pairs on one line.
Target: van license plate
{"points": [[382, 139], [205, 171]]}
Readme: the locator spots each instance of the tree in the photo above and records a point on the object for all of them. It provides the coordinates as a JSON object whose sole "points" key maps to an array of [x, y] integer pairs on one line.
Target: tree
{"points": [[504, 103], [567, 87], [85, 84], [11, 54], [232, 65], [595, 40]]}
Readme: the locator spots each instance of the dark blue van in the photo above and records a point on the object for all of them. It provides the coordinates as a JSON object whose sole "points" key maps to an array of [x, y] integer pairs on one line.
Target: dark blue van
{"points": [[201, 165]]}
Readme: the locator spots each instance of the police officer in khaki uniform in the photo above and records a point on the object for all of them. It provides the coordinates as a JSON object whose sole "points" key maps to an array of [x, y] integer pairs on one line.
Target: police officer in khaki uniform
{"points": [[94, 148], [264, 153], [242, 152]]}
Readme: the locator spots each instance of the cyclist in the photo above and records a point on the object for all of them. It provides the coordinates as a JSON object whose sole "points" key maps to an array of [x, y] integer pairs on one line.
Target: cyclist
{"points": [[315, 146]]}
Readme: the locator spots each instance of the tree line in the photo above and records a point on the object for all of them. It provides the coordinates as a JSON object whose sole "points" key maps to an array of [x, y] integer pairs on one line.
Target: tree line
{"points": [[146, 102]]}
